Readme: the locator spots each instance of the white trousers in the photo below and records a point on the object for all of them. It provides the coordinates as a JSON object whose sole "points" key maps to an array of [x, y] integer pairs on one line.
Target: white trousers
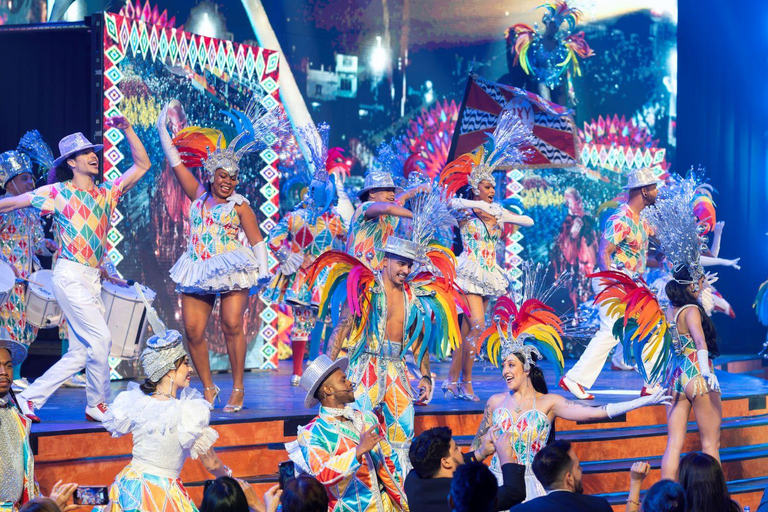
{"points": [[77, 289], [590, 364]]}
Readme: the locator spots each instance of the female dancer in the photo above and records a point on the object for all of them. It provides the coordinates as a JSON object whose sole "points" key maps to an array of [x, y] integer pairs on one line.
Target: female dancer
{"points": [[478, 273], [216, 262], [520, 336], [166, 428]]}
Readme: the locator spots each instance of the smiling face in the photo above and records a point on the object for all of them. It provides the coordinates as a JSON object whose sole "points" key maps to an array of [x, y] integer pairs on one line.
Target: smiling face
{"points": [[182, 375], [396, 269], [223, 184], [6, 371], [485, 191], [382, 195], [20, 184], [513, 373], [84, 162]]}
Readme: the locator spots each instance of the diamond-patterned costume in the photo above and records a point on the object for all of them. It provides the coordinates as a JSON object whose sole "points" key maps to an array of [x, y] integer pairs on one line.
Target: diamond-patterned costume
{"points": [[477, 270], [629, 233], [14, 435], [325, 448], [215, 260], [81, 217], [685, 367], [367, 237], [21, 236]]}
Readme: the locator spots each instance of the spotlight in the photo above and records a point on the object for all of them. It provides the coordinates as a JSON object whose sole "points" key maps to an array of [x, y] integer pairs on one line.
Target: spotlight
{"points": [[379, 58]]}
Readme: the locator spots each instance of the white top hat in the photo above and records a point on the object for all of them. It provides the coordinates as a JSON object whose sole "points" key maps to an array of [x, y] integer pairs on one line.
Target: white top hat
{"points": [[639, 178], [315, 375]]}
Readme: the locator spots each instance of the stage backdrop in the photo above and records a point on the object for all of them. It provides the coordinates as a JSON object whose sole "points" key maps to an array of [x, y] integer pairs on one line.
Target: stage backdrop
{"points": [[144, 67]]}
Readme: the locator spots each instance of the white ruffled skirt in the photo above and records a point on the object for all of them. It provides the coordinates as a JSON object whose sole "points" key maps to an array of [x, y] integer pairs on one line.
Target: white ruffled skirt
{"points": [[233, 270], [473, 278]]}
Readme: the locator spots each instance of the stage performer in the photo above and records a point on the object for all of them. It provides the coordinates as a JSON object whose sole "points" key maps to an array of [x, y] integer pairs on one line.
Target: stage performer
{"points": [[217, 262], [623, 247], [343, 447], [304, 234], [169, 422], [377, 217], [479, 274], [82, 211], [21, 239], [17, 465], [389, 312], [679, 343], [521, 337]]}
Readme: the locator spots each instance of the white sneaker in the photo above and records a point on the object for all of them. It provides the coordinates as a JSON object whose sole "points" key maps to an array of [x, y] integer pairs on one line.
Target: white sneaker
{"points": [[75, 381], [20, 385], [96, 413]]}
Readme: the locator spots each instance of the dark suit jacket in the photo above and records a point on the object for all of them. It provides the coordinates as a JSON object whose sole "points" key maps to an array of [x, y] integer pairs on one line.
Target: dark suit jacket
{"points": [[559, 501], [431, 494]]}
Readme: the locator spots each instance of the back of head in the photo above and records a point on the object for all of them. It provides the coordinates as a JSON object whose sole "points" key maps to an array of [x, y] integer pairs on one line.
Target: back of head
{"points": [[552, 462], [473, 488], [664, 496], [680, 295], [223, 495], [428, 449], [703, 481], [40, 505], [304, 494]]}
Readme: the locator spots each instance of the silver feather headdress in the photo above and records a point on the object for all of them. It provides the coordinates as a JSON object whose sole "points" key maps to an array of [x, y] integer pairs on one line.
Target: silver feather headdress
{"points": [[503, 148]]}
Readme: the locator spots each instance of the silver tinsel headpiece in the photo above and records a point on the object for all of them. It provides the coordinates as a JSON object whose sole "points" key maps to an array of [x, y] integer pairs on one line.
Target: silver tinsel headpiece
{"points": [[676, 227], [164, 348], [503, 148], [34, 146]]}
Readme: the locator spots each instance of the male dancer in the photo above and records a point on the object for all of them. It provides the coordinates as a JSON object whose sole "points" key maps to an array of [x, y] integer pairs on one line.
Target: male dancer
{"points": [[623, 246], [82, 211]]}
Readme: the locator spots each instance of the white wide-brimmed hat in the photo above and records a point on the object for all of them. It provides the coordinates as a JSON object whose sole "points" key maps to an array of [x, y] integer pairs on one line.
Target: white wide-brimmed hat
{"points": [[315, 375], [73, 143], [639, 178]]}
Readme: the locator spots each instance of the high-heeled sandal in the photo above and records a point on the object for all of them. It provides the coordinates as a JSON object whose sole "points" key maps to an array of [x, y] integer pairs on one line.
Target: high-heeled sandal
{"points": [[216, 392], [447, 390], [234, 408], [467, 396]]}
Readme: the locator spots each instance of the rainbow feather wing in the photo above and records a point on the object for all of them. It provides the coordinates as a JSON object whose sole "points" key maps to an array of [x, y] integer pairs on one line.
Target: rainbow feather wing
{"points": [[704, 207], [195, 143], [524, 36], [440, 333], [455, 175]]}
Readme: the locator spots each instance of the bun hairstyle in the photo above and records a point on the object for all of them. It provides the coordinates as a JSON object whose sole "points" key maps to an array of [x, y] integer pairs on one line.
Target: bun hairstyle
{"points": [[679, 295], [149, 387]]}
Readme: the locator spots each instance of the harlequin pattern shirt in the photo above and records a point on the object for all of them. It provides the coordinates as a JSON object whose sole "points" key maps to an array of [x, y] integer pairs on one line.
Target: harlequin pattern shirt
{"points": [[367, 237], [213, 230], [629, 233], [81, 217]]}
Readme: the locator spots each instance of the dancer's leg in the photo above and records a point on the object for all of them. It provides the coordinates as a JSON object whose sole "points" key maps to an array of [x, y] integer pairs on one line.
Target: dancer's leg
{"points": [[477, 306], [232, 311], [195, 311], [457, 361], [303, 324], [677, 424], [589, 365], [709, 415]]}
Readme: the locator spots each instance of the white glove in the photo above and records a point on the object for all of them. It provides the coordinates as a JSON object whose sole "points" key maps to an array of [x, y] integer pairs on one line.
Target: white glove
{"points": [[291, 263], [457, 203], [706, 373], [659, 397], [171, 153], [260, 251]]}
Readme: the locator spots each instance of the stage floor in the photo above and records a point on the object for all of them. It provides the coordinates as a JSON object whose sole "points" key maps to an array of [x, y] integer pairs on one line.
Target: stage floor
{"points": [[269, 395]]}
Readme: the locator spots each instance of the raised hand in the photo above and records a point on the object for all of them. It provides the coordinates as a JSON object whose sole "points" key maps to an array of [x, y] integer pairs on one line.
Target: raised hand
{"points": [[119, 122], [369, 439]]}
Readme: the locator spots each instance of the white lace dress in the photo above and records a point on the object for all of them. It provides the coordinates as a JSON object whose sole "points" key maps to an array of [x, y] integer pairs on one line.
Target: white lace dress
{"points": [[165, 434]]}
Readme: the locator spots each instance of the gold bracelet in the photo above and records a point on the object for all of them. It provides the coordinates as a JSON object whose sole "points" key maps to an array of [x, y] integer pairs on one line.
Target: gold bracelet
{"points": [[633, 502]]}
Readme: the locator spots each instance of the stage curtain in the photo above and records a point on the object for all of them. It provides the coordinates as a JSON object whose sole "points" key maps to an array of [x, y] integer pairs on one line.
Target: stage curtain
{"points": [[722, 110]]}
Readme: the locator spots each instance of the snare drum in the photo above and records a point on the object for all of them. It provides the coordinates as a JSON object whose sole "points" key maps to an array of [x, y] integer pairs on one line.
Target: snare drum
{"points": [[42, 309], [7, 281], [126, 318]]}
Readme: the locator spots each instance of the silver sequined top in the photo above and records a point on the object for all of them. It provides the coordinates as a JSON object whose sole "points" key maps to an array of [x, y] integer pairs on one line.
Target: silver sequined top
{"points": [[11, 458]]}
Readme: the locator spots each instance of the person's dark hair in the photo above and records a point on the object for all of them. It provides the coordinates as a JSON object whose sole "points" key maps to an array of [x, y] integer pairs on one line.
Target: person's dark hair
{"points": [[149, 387], [664, 496], [703, 481], [679, 295], [428, 449], [60, 173], [304, 494], [539, 385], [473, 488], [223, 495], [551, 463], [40, 504]]}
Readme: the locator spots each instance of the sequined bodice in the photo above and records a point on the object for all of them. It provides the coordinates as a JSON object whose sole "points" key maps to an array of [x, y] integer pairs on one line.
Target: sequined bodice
{"points": [[213, 230], [480, 241], [529, 432]]}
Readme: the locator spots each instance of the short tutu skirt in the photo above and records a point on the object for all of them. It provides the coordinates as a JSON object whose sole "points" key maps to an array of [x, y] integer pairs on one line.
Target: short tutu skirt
{"points": [[142, 492], [224, 272], [472, 278], [295, 289]]}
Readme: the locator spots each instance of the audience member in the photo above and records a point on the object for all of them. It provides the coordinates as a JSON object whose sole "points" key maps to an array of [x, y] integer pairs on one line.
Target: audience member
{"points": [[225, 494], [57, 502], [558, 469], [301, 494], [41, 504], [664, 496], [637, 474], [473, 489], [702, 478], [435, 457]]}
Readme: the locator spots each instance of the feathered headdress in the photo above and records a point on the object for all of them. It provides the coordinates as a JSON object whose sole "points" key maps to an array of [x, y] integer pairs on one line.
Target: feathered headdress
{"points": [[676, 227], [254, 130], [323, 163], [532, 328], [39, 152], [390, 159], [558, 12], [506, 146]]}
